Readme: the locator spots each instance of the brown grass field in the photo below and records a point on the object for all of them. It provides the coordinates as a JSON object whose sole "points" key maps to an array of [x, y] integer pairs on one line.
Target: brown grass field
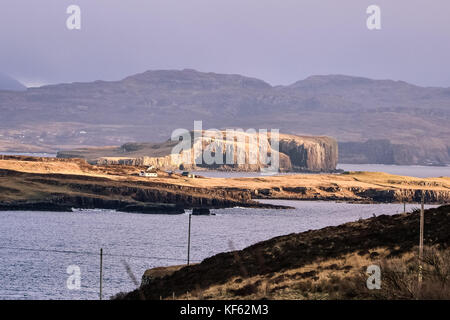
{"points": [[351, 186]]}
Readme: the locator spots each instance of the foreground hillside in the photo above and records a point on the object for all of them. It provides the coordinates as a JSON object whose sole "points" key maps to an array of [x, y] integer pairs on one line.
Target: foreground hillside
{"points": [[405, 124], [329, 263]]}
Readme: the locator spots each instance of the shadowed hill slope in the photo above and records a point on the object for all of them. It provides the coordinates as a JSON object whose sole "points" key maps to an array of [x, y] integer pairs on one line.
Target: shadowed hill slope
{"points": [[397, 235]]}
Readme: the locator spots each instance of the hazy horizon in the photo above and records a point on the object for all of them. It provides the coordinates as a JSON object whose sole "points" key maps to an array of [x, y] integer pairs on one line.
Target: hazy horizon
{"points": [[37, 85], [279, 43]]}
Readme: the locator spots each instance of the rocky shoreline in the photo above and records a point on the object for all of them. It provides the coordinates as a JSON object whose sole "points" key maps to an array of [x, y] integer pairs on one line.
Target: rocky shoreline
{"points": [[68, 205], [64, 192], [51, 184], [358, 195]]}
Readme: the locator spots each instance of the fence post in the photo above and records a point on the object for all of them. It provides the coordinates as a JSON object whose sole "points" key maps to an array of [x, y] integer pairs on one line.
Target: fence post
{"points": [[101, 273], [422, 218]]}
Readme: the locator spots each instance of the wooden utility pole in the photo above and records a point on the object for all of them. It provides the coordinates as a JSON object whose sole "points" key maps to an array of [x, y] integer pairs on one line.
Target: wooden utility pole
{"points": [[189, 240], [422, 218], [101, 273]]}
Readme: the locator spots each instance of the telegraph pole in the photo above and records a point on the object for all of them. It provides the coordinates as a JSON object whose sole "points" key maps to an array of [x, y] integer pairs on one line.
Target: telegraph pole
{"points": [[101, 273], [189, 240]]}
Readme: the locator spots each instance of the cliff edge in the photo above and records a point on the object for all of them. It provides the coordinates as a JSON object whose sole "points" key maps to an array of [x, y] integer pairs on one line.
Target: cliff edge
{"points": [[295, 153]]}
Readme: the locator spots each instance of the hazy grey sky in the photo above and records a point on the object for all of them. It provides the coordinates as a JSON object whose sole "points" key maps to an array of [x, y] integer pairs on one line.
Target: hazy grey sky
{"points": [[280, 41]]}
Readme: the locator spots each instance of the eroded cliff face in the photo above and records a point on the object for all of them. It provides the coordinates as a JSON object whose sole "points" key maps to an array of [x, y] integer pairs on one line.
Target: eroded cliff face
{"points": [[218, 150], [310, 153]]}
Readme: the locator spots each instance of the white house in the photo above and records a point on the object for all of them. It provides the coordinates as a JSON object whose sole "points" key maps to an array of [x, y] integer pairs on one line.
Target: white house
{"points": [[148, 174]]}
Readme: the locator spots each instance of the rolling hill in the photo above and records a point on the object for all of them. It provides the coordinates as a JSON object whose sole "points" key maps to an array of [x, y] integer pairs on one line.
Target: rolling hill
{"points": [[379, 121], [10, 84]]}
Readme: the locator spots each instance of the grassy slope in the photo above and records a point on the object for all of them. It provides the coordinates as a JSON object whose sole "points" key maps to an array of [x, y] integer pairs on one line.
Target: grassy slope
{"points": [[290, 266], [352, 186], [77, 183]]}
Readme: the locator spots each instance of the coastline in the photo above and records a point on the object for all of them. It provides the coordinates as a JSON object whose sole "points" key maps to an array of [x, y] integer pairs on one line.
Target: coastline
{"points": [[51, 184]]}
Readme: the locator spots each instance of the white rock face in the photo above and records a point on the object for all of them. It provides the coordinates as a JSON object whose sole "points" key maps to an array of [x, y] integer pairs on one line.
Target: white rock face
{"points": [[241, 151]]}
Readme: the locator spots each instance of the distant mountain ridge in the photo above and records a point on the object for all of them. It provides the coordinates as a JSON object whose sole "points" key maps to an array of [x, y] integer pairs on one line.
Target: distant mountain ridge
{"points": [[10, 84], [410, 120]]}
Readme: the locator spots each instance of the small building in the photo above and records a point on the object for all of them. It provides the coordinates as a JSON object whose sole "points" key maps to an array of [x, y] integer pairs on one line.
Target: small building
{"points": [[148, 174]]}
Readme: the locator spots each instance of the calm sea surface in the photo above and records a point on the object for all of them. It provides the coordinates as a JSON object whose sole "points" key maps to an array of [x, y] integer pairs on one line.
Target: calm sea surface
{"points": [[413, 171], [35, 154], [36, 248]]}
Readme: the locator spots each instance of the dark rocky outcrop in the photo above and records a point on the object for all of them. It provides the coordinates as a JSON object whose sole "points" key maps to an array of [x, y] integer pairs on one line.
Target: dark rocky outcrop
{"points": [[384, 152], [201, 212], [371, 151], [34, 206]]}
